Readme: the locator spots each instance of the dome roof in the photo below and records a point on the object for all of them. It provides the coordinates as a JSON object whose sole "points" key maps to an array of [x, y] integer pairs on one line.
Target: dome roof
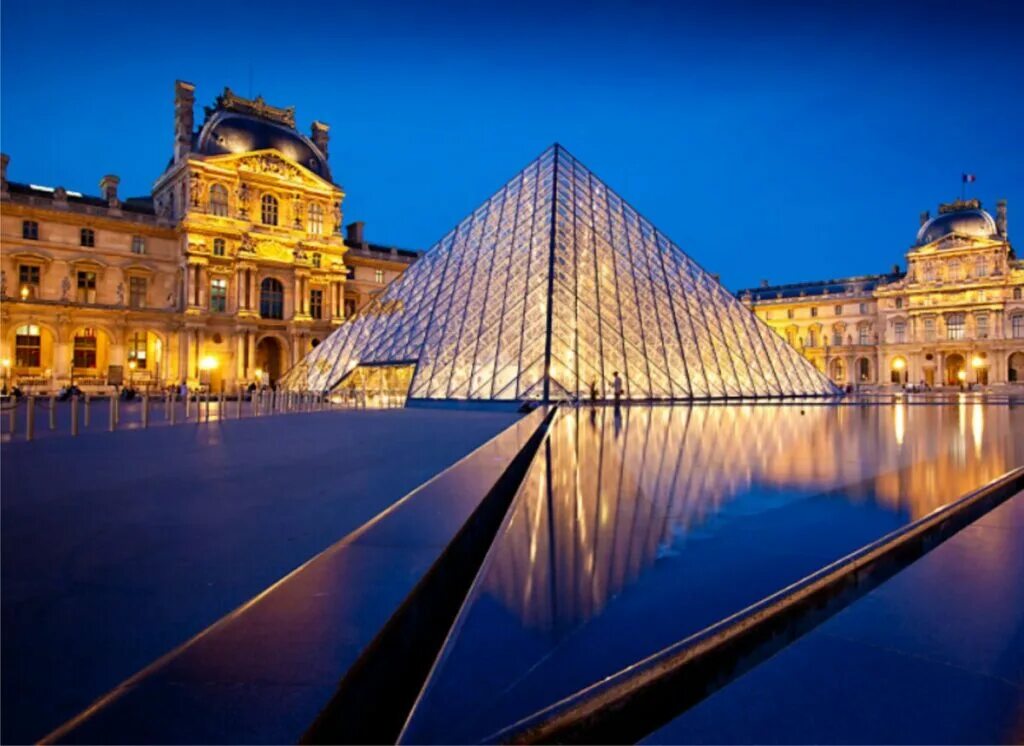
{"points": [[974, 223], [231, 132]]}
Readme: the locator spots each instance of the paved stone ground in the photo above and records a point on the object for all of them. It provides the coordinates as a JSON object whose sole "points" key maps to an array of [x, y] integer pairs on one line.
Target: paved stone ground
{"points": [[934, 655], [116, 547]]}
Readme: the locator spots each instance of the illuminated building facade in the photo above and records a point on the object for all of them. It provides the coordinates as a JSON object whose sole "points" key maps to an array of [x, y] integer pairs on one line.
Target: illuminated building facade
{"points": [[235, 264], [956, 316], [556, 288]]}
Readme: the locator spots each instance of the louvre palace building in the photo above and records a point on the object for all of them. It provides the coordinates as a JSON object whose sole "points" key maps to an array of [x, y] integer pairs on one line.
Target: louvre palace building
{"points": [[954, 318], [231, 270]]}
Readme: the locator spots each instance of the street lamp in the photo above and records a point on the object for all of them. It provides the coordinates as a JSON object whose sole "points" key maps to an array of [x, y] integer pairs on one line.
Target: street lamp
{"points": [[24, 292], [131, 373], [259, 376]]}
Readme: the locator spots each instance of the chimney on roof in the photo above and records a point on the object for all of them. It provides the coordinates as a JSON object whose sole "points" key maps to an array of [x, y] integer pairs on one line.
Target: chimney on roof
{"points": [[355, 233], [108, 188], [184, 100], [4, 160], [320, 134], [924, 217], [1000, 217], [764, 283], [895, 269]]}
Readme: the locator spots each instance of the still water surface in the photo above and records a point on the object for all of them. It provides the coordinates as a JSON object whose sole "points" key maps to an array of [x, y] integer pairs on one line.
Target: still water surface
{"points": [[633, 530]]}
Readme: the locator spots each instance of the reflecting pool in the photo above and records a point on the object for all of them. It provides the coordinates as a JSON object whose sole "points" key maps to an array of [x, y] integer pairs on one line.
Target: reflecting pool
{"points": [[637, 528]]}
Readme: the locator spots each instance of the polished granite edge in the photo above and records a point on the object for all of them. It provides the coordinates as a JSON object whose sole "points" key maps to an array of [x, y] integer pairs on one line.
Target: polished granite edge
{"points": [[628, 705], [263, 672]]}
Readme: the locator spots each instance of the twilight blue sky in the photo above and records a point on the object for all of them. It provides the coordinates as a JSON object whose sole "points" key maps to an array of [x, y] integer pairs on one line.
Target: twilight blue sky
{"points": [[788, 140]]}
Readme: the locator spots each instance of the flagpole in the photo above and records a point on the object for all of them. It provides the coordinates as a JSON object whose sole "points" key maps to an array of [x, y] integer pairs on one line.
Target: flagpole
{"points": [[963, 185]]}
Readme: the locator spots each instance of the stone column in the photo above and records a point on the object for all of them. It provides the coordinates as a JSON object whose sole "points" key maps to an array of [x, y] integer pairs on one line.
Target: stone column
{"points": [[240, 356], [251, 344]]}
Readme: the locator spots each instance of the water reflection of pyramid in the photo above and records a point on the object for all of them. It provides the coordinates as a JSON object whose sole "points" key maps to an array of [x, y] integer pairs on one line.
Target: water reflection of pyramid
{"points": [[552, 284]]}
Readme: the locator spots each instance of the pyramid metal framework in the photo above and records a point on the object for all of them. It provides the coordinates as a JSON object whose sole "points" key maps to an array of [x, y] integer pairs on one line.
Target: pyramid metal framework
{"points": [[553, 284]]}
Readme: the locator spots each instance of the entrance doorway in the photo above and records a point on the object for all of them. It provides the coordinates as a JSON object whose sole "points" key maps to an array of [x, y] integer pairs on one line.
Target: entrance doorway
{"points": [[270, 358], [955, 365], [1015, 368], [929, 377]]}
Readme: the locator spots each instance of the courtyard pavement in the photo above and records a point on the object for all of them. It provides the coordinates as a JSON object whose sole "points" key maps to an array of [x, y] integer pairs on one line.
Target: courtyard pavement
{"points": [[116, 547]]}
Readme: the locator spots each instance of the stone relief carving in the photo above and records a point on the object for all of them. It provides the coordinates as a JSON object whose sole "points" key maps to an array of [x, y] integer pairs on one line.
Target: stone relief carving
{"points": [[120, 293]]}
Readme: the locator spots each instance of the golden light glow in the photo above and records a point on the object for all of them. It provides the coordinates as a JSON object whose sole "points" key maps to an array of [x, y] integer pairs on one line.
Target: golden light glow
{"points": [[962, 375], [258, 372], [209, 362], [899, 364], [131, 364], [977, 362], [24, 292], [6, 362]]}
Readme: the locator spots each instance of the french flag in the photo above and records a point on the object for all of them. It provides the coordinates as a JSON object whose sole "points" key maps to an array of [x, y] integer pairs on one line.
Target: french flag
{"points": [[969, 178]]}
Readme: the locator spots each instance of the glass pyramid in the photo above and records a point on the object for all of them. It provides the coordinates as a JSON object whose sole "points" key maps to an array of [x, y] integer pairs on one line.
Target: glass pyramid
{"points": [[549, 287]]}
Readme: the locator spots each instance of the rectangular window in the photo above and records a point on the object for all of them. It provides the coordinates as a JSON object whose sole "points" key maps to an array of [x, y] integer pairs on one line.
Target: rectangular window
{"points": [[863, 308], [379, 276], [28, 281], [864, 336], [981, 267], [955, 326], [218, 247], [137, 349], [137, 292], [839, 310], [85, 349], [138, 245], [316, 219], [812, 338], [27, 346], [218, 295], [1017, 327], [30, 230], [837, 339], [86, 287], [88, 237], [350, 307], [789, 313], [899, 303], [316, 303], [929, 330], [982, 323], [899, 332], [814, 310], [350, 273]]}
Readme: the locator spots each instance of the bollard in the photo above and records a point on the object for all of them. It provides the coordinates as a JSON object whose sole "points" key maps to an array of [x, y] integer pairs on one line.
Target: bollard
{"points": [[53, 412], [220, 405], [207, 405], [117, 409], [12, 416], [112, 414], [30, 417], [74, 413], [87, 399], [145, 410], [238, 405], [174, 410], [188, 404]]}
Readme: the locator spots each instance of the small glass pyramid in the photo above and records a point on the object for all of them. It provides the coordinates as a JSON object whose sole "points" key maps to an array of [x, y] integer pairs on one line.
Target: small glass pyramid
{"points": [[546, 290]]}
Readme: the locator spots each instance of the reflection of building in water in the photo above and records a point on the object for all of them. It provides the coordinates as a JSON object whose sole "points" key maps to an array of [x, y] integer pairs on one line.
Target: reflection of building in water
{"points": [[609, 494]]}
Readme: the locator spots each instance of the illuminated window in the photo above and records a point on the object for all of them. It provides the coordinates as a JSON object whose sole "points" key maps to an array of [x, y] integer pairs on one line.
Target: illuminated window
{"points": [[28, 280], [86, 287], [929, 329], [378, 275], [317, 260], [899, 303], [218, 295], [981, 322], [837, 339], [316, 219], [955, 326], [271, 299], [218, 200], [27, 346], [30, 230], [137, 292], [138, 245], [218, 247], [316, 303], [899, 332], [85, 349], [1017, 327], [812, 337], [87, 237], [929, 272], [268, 209], [137, 349]]}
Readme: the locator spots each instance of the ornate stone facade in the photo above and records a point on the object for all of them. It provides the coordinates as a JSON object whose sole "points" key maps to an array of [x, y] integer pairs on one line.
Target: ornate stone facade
{"points": [[230, 271], [955, 317]]}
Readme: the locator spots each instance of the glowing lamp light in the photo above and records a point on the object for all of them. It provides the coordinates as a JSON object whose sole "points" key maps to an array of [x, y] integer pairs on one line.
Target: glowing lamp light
{"points": [[899, 364], [962, 375], [24, 292], [132, 364], [208, 363], [258, 372], [977, 362], [6, 362]]}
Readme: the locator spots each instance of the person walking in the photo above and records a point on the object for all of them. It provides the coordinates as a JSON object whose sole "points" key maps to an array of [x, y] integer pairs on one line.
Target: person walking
{"points": [[617, 388], [593, 390]]}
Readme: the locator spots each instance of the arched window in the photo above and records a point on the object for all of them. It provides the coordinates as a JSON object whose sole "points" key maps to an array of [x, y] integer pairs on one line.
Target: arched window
{"points": [[955, 326], [27, 346], [268, 209], [137, 349], [316, 219], [85, 349], [271, 299], [218, 200]]}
